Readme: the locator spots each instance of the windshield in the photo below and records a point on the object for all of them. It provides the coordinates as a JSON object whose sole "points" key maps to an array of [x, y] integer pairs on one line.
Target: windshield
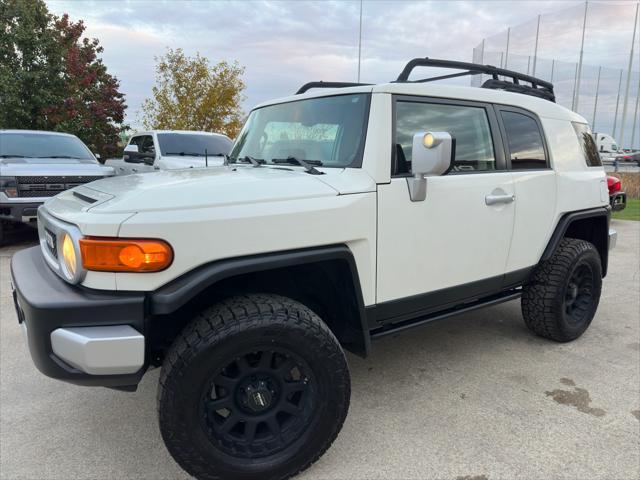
{"points": [[329, 131], [193, 144], [42, 145]]}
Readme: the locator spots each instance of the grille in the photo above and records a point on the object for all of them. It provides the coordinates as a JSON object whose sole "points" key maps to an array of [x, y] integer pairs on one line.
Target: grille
{"points": [[37, 193], [59, 179], [42, 186]]}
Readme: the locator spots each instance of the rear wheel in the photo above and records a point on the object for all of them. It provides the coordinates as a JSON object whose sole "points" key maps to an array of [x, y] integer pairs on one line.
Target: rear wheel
{"points": [[255, 387], [562, 296]]}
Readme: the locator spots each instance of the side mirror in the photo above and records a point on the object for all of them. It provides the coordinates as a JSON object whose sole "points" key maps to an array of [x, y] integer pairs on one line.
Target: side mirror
{"points": [[432, 154], [131, 154]]}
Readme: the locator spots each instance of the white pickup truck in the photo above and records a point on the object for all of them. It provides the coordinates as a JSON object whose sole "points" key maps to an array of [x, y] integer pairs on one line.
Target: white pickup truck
{"points": [[171, 149]]}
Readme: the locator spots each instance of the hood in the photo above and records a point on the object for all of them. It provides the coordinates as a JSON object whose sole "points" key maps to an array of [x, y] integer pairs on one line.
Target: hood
{"points": [[52, 167], [206, 187], [188, 161]]}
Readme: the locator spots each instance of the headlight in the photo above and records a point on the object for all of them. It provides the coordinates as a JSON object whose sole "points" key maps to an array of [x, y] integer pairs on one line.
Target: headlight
{"points": [[69, 260], [9, 186]]}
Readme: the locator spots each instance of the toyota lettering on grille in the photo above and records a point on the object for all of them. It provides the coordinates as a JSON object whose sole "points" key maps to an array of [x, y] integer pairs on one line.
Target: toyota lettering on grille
{"points": [[50, 239]]}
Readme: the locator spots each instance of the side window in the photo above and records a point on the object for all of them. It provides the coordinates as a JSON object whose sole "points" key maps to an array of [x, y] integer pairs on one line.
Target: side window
{"points": [[135, 141], [589, 148], [524, 140], [146, 145], [468, 125]]}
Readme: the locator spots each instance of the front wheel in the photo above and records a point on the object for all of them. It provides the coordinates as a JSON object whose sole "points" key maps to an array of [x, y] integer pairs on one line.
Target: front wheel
{"points": [[562, 296], [256, 387]]}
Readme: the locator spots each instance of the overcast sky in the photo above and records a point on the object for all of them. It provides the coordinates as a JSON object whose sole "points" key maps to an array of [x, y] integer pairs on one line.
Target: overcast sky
{"points": [[285, 44]]}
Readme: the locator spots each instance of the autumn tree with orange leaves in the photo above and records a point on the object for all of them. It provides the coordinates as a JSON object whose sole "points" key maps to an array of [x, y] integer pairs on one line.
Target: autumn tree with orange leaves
{"points": [[192, 94]]}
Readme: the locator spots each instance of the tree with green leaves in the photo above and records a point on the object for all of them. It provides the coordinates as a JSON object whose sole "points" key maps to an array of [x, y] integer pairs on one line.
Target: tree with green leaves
{"points": [[51, 77], [191, 94]]}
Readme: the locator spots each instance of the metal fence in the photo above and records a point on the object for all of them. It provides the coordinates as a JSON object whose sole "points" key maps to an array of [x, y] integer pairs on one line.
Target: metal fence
{"points": [[590, 52]]}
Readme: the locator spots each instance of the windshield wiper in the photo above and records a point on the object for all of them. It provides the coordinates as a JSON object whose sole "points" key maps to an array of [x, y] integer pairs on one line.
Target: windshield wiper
{"points": [[61, 156], [256, 162], [185, 154], [12, 156], [307, 164]]}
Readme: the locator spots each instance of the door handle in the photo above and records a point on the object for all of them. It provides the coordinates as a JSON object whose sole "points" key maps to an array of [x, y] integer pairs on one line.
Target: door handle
{"points": [[134, 170], [497, 199]]}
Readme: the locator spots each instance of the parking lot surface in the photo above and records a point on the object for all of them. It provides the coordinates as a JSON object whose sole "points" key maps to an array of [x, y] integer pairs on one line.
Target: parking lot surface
{"points": [[473, 397]]}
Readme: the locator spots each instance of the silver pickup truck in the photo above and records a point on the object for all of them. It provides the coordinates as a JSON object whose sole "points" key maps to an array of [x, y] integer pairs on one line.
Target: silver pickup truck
{"points": [[35, 166]]}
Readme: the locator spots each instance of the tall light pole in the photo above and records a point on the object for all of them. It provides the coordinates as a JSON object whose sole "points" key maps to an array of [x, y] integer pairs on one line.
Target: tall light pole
{"points": [[506, 56], [576, 98], [626, 94], [535, 51], [595, 103], [635, 117], [360, 42], [615, 117]]}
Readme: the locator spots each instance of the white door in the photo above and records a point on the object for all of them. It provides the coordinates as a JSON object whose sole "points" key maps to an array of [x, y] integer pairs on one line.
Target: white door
{"points": [[460, 235]]}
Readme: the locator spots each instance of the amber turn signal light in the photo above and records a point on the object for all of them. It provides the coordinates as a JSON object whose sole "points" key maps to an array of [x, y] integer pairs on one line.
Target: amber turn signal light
{"points": [[125, 254]]}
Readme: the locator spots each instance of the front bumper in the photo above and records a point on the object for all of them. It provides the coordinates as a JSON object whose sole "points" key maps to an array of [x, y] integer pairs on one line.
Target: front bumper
{"points": [[80, 336], [19, 212], [618, 201]]}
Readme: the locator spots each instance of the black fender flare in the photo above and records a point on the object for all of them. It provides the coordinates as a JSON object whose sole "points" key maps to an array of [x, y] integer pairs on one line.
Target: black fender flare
{"points": [[563, 226], [170, 297]]}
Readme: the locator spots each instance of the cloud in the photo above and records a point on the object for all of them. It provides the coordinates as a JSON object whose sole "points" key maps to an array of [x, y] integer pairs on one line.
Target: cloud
{"points": [[285, 44]]}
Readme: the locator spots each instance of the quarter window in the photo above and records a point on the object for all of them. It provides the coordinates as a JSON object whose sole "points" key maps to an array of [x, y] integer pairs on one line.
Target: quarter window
{"points": [[469, 126], [526, 149], [589, 148]]}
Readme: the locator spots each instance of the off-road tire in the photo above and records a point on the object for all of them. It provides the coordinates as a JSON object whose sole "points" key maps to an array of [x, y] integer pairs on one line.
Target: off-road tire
{"points": [[545, 296], [234, 325]]}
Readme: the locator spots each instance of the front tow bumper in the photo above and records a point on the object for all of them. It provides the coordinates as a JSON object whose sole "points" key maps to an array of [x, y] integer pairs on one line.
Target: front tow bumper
{"points": [[80, 336]]}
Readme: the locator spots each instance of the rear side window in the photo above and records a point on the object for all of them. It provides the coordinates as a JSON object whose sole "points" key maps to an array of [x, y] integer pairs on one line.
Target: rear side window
{"points": [[468, 125], [524, 139], [589, 147]]}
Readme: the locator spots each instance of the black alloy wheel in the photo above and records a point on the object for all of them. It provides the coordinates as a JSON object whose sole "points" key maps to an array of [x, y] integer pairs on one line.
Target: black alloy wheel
{"points": [[259, 403], [578, 298]]}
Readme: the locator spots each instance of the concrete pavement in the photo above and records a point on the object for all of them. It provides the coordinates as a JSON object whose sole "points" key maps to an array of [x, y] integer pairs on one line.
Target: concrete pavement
{"points": [[473, 397]]}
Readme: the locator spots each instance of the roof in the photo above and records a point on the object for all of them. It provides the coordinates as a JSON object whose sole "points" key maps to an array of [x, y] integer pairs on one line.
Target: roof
{"points": [[36, 132], [541, 107]]}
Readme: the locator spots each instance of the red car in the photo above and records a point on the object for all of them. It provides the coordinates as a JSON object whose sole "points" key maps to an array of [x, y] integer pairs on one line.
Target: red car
{"points": [[617, 198]]}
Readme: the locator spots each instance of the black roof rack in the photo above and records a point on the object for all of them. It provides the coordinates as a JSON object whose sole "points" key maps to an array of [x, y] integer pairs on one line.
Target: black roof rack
{"points": [[310, 85], [538, 88]]}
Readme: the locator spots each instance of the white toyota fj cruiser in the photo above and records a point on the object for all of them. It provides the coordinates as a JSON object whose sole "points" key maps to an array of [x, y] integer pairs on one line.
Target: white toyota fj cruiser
{"points": [[343, 215]]}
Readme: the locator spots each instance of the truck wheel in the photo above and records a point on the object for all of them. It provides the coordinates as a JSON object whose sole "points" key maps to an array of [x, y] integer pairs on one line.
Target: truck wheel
{"points": [[562, 295], [255, 387]]}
